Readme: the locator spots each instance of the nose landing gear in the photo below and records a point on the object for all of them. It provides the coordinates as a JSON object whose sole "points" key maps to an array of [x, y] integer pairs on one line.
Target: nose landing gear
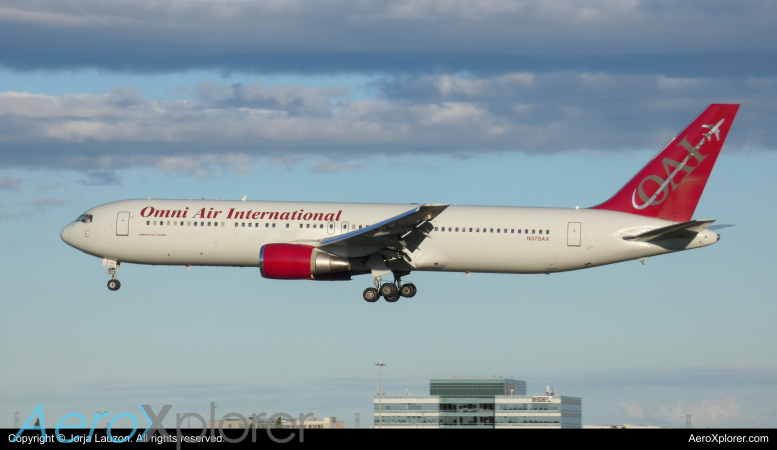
{"points": [[113, 283]]}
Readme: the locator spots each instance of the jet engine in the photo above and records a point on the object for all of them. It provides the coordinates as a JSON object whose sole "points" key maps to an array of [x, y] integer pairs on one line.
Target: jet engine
{"points": [[301, 262]]}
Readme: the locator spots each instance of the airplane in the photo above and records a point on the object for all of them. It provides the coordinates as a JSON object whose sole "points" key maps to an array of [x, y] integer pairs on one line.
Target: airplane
{"points": [[713, 130], [651, 215]]}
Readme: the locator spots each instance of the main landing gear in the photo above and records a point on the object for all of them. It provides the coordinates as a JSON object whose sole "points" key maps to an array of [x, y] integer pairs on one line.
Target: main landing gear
{"points": [[389, 291]]}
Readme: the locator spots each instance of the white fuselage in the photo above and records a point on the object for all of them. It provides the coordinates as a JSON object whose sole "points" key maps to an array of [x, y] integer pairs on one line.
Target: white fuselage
{"points": [[475, 238]]}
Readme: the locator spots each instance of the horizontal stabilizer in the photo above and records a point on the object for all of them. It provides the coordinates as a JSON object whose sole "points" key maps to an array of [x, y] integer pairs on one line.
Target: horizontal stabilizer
{"points": [[671, 232], [721, 226]]}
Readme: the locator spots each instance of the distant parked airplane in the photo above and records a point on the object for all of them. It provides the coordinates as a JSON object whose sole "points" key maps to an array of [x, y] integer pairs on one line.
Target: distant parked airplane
{"points": [[649, 216]]}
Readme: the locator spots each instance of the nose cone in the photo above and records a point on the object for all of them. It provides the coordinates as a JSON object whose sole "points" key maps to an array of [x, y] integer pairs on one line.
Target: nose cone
{"points": [[65, 235]]}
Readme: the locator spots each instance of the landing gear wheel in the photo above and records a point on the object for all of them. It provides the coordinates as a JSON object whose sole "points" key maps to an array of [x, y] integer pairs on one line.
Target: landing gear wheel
{"points": [[393, 298], [388, 290], [407, 290], [371, 295], [114, 285]]}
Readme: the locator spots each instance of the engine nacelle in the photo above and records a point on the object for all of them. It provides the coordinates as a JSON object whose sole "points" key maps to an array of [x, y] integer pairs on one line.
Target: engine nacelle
{"points": [[299, 262]]}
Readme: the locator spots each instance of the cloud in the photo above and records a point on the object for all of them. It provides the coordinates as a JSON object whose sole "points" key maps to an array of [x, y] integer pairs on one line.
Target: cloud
{"points": [[10, 183], [29, 208], [632, 410], [395, 36], [101, 178], [235, 125], [707, 413], [330, 166]]}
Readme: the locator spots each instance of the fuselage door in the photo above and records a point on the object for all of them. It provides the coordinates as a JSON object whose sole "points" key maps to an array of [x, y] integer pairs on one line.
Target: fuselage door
{"points": [[330, 228], [573, 234], [122, 224], [344, 228]]}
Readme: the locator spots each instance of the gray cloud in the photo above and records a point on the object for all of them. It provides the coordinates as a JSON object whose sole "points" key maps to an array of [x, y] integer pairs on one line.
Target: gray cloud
{"points": [[233, 126], [10, 183], [29, 208], [101, 178], [488, 36]]}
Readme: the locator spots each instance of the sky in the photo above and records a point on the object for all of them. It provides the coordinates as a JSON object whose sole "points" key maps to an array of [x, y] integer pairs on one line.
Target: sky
{"points": [[488, 102]]}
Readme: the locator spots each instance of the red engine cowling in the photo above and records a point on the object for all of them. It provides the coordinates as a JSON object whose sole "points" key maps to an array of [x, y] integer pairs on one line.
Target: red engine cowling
{"points": [[299, 262]]}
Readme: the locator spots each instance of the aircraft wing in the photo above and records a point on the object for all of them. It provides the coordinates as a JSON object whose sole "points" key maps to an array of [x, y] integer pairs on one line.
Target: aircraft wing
{"points": [[402, 233], [671, 231]]}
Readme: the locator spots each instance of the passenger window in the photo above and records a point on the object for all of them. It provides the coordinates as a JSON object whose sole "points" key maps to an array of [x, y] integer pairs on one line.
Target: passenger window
{"points": [[532, 231], [168, 222], [435, 229], [249, 224], [188, 224], [526, 231], [243, 224], [360, 227], [505, 230], [353, 227], [492, 230], [148, 222], [512, 231], [202, 224], [273, 225], [209, 224], [267, 225], [457, 229], [470, 230], [195, 224], [547, 231], [519, 231], [540, 231], [287, 225]]}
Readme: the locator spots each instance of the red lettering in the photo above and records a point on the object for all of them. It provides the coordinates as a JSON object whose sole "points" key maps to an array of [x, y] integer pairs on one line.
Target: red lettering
{"points": [[308, 216], [329, 217], [200, 214], [317, 216], [300, 214], [187, 210], [338, 215], [143, 211], [231, 210], [293, 214], [255, 215], [285, 216]]}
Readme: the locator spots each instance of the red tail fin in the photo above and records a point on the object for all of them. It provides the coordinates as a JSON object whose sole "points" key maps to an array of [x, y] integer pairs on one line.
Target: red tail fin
{"points": [[670, 185]]}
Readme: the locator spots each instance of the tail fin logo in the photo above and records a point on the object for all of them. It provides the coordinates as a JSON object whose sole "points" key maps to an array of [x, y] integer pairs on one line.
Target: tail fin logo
{"points": [[662, 193]]}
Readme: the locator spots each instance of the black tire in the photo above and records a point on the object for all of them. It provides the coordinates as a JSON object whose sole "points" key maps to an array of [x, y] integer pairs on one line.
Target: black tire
{"points": [[388, 290], [407, 290], [392, 299], [371, 295], [114, 285]]}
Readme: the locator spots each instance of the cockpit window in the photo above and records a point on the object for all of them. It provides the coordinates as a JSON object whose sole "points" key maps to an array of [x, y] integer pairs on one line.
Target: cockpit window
{"points": [[85, 218]]}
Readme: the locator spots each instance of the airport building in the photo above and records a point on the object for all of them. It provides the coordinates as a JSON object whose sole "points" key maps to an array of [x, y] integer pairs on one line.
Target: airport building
{"points": [[477, 403], [261, 423]]}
